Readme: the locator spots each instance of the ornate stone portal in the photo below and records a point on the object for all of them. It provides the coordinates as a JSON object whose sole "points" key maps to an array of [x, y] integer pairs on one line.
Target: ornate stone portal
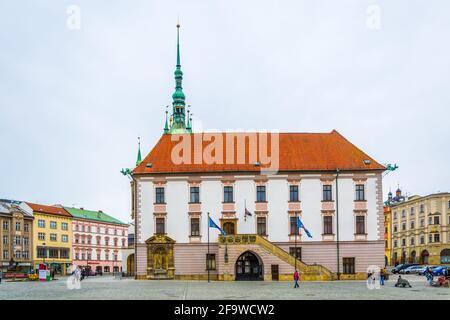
{"points": [[160, 262]]}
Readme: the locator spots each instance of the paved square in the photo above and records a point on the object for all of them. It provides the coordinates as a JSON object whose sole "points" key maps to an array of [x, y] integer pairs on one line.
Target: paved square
{"points": [[105, 288]]}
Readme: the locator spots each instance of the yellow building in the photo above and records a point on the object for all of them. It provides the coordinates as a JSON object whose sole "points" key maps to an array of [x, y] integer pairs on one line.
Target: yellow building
{"points": [[387, 236], [52, 238], [421, 230]]}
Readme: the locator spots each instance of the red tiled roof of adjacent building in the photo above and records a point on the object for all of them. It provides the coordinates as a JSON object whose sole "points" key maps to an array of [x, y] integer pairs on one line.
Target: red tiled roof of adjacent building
{"points": [[307, 152], [49, 209]]}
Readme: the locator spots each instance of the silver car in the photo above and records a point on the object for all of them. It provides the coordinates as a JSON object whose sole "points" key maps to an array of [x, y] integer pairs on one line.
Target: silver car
{"points": [[411, 270]]}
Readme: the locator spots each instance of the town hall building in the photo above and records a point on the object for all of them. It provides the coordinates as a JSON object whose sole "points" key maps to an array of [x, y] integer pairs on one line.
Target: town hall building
{"points": [[254, 186]]}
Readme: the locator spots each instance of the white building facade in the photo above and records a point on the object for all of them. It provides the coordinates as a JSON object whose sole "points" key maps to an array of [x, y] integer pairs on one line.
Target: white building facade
{"points": [[172, 202]]}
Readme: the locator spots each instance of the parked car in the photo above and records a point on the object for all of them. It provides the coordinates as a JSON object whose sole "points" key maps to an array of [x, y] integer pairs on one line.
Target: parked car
{"points": [[400, 267], [421, 271], [439, 270], [411, 270]]}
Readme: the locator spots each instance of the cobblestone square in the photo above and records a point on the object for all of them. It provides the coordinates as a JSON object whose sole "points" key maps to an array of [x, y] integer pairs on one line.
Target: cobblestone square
{"points": [[106, 288]]}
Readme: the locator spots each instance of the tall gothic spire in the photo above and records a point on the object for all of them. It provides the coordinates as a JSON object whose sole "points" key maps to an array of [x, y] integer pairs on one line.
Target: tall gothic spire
{"points": [[178, 98]]}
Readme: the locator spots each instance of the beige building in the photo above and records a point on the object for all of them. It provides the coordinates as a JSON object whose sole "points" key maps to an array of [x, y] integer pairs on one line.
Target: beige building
{"points": [[16, 237], [421, 230]]}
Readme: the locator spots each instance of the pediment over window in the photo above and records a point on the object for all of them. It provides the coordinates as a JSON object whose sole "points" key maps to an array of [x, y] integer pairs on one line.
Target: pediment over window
{"points": [[159, 239]]}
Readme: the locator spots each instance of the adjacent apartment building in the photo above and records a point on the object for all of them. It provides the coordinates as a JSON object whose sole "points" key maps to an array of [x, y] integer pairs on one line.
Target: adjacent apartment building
{"points": [[16, 237], [52, 237], [98, 240], [421, 230]]}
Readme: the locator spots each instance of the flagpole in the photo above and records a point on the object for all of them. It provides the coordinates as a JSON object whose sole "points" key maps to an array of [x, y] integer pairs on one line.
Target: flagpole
{"points": [[208, 258], [295, 241]]}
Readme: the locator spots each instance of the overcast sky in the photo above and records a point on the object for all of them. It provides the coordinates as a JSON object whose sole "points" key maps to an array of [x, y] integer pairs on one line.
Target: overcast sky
{"points": [[74, 101]]}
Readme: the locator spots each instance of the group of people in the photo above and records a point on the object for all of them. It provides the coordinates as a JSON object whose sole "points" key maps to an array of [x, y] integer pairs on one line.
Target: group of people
{"points": [[80, 273]]}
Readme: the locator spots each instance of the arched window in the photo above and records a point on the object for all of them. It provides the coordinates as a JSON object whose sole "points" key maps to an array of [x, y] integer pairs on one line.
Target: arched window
{"points": [[445, 256]]}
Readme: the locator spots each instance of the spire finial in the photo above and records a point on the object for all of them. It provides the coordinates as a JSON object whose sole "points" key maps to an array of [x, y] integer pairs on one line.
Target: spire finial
{"points": [[166, 126], [139, 158]]}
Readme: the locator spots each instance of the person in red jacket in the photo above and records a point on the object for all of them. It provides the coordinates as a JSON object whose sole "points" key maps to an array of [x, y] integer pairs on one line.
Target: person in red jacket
{"points": [[296, 278]]}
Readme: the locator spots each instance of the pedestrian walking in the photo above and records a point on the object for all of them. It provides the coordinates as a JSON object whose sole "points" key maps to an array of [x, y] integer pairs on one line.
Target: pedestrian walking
{"points": [[296, 278], [382, 276]]}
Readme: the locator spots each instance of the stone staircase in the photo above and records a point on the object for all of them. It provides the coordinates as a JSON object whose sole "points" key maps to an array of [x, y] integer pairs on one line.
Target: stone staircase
{"points": [[307, 272]]}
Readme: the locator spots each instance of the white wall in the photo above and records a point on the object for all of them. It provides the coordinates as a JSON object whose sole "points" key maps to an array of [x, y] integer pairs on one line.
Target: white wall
{"points": [[177, 198]]}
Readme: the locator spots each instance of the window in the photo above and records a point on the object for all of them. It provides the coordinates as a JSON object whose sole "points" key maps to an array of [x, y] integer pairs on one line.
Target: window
{"points": [[261, 226], [422, 208], [411, 241], [430, 220], [18, 254], [296, 252], [293, 193], [53, 253], [82, 228], [41, 223], [360, 225], [422, 223], [160, 227], [25, 254], [5, 225], [52, 224], [41, 236], [437, 237], [403, 242], [17, 240], [26, 241], [395, 228], [17, 226], [210, 261], [422, 240], [412, 225], [430, 238], [64, 226], [195, 195], [412, 211], [228, 194], [42, 253], [52, 236], [115, 232], [64, 238], [403, 226], [327, 193], [261, 194], [5, 254], [293, 224], [436, 220], [115, 242], [160, 195], [395, 214], [403, 213], [5, 239], [26, 227], [83, 256], [327, 225], [348, 265], [360, 193], [195, 227], [89, 256], [395, 243]]}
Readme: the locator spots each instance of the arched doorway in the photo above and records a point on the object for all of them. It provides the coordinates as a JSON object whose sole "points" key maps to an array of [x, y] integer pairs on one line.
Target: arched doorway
{"points": [[413, 257], [130, 265], [424, 257], [248, 267], [445, 256], [403, 260]]}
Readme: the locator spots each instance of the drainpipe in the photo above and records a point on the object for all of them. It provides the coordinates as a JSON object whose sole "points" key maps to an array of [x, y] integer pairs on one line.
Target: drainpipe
{"points": [[337, 226]]}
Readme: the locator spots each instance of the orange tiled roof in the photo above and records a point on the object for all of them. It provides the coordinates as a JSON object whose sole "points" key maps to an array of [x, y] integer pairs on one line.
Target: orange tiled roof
{"points": [[49, 209], [297, 152]]}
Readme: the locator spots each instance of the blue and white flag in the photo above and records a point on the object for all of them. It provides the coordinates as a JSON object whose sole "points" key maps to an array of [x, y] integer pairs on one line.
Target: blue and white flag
{"points": [[300, 225], [212, 224]]}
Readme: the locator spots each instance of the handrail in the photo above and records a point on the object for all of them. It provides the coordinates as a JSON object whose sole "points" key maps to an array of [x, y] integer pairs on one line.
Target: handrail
{"points": [[276, 250]]}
